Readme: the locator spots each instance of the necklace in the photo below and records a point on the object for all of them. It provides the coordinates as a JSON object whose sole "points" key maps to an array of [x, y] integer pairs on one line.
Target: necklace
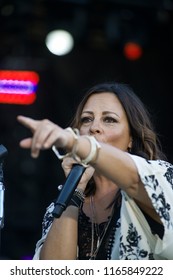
{"points": [[95, 230], [94, 225]]}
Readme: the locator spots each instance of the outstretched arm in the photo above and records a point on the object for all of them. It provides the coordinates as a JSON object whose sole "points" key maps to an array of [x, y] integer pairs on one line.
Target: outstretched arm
{"points": [[111, 162]]}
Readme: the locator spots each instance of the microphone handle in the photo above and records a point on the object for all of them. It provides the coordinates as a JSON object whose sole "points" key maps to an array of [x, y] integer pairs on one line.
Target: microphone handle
{"points": [[68, 189]]}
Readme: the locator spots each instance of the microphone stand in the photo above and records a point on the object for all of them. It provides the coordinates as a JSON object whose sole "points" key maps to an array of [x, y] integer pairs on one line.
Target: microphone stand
{"points": [[2, 189], [3, 153]]}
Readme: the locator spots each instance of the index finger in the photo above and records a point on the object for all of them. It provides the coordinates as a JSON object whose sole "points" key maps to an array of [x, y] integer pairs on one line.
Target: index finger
{"points": [[28, 122]]}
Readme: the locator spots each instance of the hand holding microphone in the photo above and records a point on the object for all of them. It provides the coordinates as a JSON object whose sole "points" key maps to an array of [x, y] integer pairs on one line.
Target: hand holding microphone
{"points": [[68, 189], [68, 163], [74, 177]]}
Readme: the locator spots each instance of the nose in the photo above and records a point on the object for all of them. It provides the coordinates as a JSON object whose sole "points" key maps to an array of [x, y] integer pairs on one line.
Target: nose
{"points": [[95, 128]]}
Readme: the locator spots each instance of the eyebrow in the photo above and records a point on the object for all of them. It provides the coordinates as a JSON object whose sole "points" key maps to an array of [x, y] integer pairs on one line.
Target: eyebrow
{"points": [[104, 113]]}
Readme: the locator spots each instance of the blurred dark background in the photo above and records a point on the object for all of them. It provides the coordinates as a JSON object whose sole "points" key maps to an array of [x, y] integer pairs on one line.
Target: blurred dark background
{"points": [[100, 30]]}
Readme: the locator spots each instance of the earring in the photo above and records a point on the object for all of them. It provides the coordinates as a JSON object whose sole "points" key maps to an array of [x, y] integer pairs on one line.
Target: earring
{"points": [[129, 149]]}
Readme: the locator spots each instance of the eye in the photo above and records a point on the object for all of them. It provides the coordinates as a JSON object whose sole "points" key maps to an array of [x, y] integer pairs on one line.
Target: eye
{"points": [[110, 120], [86, 119]]}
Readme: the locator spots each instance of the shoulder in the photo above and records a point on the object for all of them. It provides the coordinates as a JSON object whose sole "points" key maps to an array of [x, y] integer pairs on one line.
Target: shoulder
{"points": [[154, 171], [157, 165]]}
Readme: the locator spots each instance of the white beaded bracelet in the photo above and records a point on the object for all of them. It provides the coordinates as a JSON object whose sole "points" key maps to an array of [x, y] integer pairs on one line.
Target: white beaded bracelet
{"points": [[95, 146]]}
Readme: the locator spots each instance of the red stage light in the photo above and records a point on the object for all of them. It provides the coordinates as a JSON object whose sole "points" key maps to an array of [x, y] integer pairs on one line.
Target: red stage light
{"points": [[132, 51], [18, 87]]}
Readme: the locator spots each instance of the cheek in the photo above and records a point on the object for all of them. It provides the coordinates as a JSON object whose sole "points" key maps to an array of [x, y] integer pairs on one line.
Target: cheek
{"points": [[111, 138], [83, 130], [120, 140]]}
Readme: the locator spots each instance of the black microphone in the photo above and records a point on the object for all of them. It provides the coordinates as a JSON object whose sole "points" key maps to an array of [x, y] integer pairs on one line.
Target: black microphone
{"points": [[68, 189]]}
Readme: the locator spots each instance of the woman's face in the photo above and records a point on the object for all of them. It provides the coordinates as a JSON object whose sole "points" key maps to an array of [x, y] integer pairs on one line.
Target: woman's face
{"points": [[104, 118]]}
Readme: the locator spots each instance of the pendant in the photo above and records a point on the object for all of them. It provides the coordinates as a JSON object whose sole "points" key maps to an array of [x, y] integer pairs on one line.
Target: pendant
{"points": [[98, 242]]}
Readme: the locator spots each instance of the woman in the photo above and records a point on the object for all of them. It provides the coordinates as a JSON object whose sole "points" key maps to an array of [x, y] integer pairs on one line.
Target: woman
{"points": [[122, 207]]}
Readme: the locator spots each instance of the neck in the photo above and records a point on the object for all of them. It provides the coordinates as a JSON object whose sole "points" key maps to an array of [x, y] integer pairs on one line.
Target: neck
{"points": [[104, 187], [105, 193]]}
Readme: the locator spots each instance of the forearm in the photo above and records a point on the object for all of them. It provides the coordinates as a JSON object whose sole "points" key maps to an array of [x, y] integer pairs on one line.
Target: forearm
{"points": [[61, 241], [119, 167], [111, 163]]}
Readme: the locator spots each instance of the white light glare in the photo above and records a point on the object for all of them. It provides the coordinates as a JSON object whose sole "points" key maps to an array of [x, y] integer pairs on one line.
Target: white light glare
{"points": [[59, 42]]}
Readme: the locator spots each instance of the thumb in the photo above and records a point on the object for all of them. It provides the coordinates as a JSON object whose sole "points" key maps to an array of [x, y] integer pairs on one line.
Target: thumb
{"points": [[26, 143]]}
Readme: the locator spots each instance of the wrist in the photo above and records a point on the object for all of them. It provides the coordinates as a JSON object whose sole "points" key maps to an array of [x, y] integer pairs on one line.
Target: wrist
{"points": [[77, 199], [81, 155], [73, 147], [68, 142], [82, 187], [72, 138]]}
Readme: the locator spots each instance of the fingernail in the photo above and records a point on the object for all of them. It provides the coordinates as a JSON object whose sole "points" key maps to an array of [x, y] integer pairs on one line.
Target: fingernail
{"points": [[34, 155]]}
